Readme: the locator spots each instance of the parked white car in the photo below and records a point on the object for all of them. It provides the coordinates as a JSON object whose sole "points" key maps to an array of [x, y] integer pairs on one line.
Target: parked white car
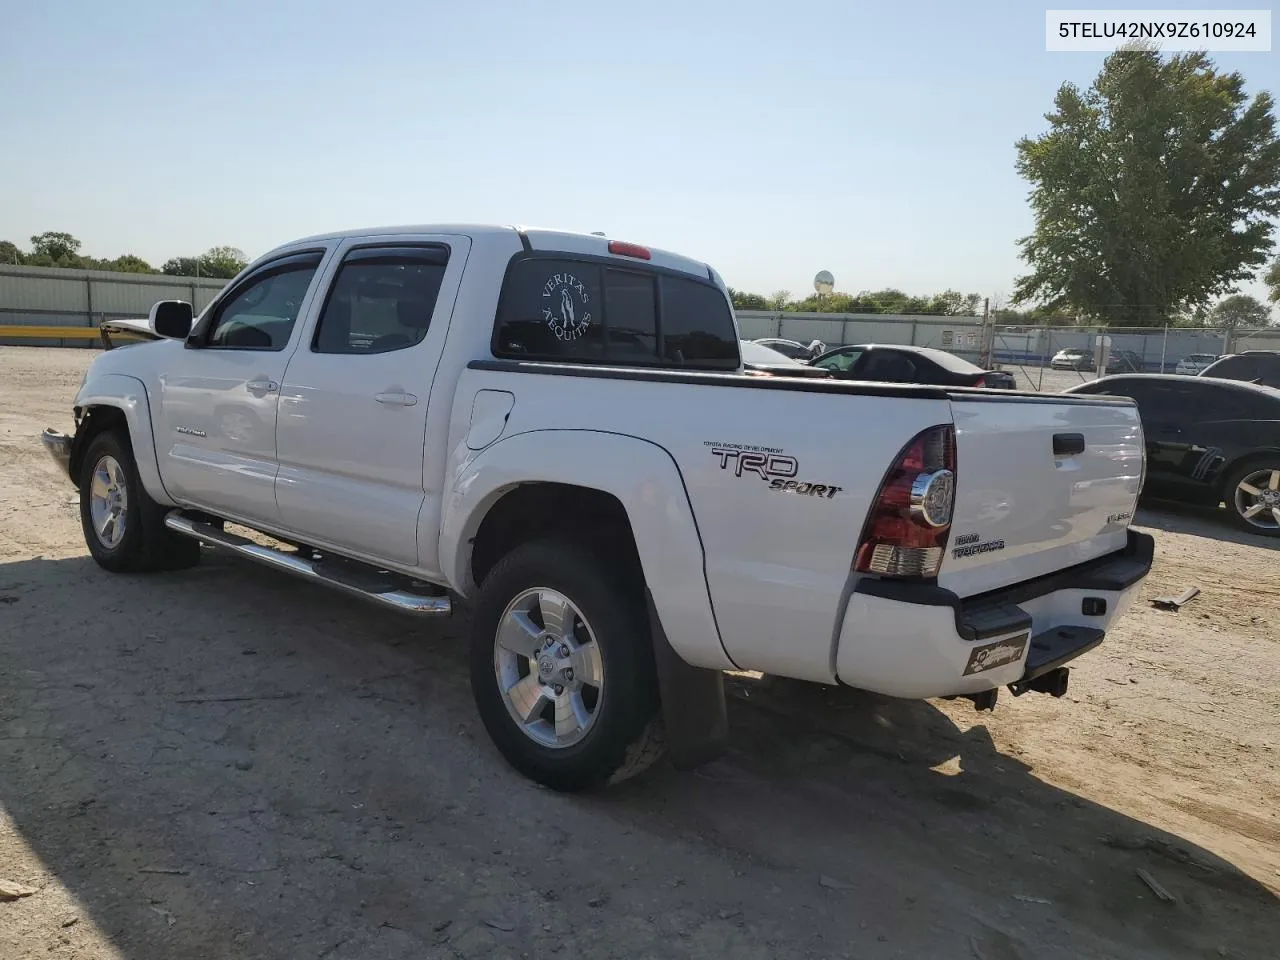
{"points": [[1072, 358], [1193, 363], [556, 427]]}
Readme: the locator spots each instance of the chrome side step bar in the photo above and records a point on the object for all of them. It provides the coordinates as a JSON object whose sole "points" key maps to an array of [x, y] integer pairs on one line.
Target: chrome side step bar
{"points": [[406, 601]]}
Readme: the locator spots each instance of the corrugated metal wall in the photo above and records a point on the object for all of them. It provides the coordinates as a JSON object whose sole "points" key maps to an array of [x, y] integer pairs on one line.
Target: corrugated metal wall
{"points": [[51, 297], [959, 335]]}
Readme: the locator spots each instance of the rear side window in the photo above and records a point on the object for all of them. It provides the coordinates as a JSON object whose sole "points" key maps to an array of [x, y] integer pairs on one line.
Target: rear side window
{"points": [[586, 311], [381, 300], [888, 365]]}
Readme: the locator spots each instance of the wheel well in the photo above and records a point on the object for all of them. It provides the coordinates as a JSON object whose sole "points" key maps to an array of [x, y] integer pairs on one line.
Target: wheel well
{"points": [[534, 511], [94, 421], [1224, 478]]}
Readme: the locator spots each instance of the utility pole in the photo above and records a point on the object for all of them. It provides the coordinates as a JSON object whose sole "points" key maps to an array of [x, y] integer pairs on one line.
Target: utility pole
{"points": [[988, 338]]}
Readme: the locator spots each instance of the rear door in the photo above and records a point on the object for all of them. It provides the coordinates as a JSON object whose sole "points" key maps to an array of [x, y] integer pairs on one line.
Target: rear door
{"points": [[353, 405], [216, 416]]}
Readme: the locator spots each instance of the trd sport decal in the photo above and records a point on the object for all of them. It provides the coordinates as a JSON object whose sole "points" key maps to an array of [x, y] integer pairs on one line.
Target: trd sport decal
{"points": [[771, 465]]}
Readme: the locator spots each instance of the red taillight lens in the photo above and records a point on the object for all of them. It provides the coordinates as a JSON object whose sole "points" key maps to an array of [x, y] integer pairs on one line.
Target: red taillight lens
{"points": [[980, 382], [621, 249], [906, 532]]}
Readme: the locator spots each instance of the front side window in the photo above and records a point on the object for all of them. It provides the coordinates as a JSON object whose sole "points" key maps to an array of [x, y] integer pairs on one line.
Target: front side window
{"points": [[381, 300], [555, 308], [841, 362], [261, 312]]}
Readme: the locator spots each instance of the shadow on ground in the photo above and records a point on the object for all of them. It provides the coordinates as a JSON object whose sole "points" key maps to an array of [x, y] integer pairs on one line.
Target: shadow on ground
{"points": [[1212, 523], [228, 763]]}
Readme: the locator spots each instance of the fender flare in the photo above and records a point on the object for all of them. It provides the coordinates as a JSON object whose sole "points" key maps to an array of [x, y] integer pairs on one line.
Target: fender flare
{"points": [[646, 481], [128, 395]]}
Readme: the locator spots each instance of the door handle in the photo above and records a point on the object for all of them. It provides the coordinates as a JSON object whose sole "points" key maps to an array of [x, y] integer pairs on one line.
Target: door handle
{"points": [[270, 386], [1068, 444], [396, 399]]}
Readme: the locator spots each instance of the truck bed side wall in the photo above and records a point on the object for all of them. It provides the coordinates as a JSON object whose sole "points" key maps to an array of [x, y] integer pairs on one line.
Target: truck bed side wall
{"points": [[779, 483]]}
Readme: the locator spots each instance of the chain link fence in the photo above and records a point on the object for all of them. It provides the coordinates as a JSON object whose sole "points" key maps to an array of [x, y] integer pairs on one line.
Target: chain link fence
{"points": [[1055, 358], [1040, 358]]}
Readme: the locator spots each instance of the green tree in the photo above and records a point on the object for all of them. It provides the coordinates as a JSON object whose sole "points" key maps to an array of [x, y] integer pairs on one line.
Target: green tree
{"points": [[222, 262], [180, 266], [780, 300], [1151, 190], [9, 252], [1240, 311], [1272, 280], [747, 301], [60, 249], [128, 263]]}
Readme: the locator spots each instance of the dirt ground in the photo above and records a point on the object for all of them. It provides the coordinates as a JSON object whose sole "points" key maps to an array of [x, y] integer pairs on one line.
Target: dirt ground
{"points": [[229, 763]]}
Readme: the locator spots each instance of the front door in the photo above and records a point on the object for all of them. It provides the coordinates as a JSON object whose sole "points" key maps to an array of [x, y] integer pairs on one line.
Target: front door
{"points": [[216, 419], [1171, 413], [353, 405]]}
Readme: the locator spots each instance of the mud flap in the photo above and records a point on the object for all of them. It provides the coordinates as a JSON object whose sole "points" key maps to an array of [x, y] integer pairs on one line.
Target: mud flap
{"points": [[693, 702]]}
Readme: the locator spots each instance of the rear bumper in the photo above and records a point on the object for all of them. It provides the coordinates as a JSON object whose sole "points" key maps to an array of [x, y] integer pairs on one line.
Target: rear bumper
{"points": [[918, 641], [59, 447]]}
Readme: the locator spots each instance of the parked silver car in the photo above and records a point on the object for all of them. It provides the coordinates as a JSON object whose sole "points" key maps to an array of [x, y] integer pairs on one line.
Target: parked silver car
{"points": [[1193, 363]]}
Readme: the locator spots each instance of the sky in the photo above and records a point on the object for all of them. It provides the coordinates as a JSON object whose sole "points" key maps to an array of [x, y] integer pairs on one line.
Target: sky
{"points": [[769, 139]]}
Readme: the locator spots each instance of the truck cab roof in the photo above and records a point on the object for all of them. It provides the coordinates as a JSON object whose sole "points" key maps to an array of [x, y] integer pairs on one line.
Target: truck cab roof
{"points": [[537, 238]]}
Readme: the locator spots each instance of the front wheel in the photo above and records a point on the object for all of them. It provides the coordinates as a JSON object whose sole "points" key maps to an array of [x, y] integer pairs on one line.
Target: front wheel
{"points": [[562, 668], [123, 527], [1253, 497]]}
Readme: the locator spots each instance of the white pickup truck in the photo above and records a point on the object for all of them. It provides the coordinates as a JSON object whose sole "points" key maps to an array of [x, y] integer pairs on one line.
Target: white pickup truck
{"points": [[556, 428]]}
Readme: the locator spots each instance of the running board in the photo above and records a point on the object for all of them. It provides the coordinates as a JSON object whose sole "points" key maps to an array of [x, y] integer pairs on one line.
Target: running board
{"points": [[376, 585]]}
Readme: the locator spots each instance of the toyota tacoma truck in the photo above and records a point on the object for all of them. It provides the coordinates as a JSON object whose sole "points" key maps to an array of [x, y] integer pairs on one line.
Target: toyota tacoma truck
{"points": [[556, 429]]}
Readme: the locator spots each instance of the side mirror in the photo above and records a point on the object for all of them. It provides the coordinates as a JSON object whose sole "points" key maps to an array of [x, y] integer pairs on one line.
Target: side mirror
{"points": [[171, 319]]}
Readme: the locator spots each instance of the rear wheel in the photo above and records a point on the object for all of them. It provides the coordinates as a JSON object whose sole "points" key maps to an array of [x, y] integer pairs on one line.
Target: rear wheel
{"points": [[562, 668], [1253, 497], [123, 527]]}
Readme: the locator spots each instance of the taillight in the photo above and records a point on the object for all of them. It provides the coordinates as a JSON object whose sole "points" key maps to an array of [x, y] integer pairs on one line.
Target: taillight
{"points": [[980, 382], [621, 249], [906, 531]]}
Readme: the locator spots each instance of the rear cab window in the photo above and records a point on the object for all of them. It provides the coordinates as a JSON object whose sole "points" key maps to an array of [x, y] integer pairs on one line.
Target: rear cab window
{"points": [[575, 309]]}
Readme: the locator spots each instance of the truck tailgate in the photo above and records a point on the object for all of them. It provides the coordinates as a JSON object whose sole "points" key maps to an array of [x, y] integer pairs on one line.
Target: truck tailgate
{"points": [[1042, 483]]}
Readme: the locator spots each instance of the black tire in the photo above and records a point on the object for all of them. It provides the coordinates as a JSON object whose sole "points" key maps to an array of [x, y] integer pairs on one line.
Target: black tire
{"points": [[147, 544], [627, 735], [1234, 479]]}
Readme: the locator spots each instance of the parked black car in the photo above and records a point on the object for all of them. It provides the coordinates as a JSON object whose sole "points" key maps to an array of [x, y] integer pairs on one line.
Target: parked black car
{"points": [[1208, 441], [899, 364], [1252, 366], [1124, 361]]}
